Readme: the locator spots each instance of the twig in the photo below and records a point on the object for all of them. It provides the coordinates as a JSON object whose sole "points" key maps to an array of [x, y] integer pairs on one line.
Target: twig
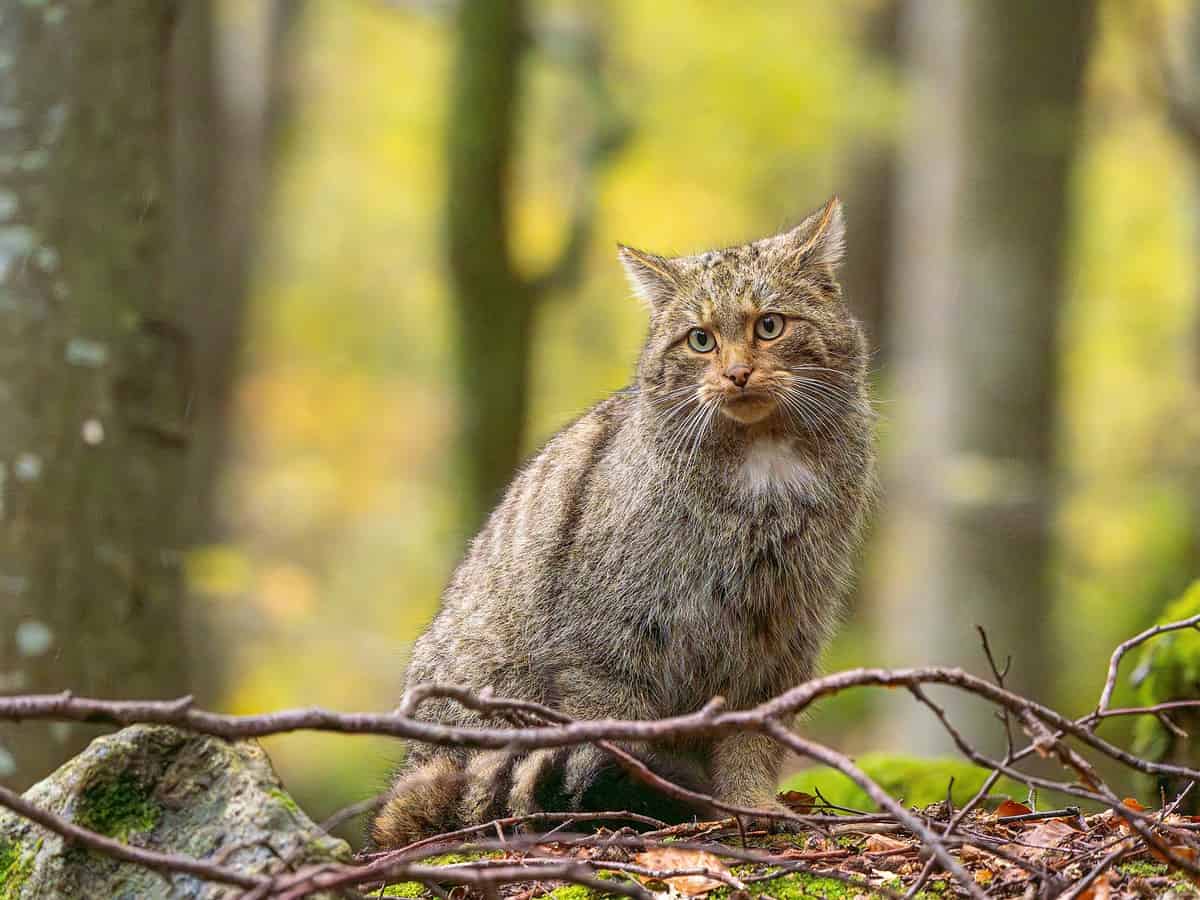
{"points": [[1114, 663]]}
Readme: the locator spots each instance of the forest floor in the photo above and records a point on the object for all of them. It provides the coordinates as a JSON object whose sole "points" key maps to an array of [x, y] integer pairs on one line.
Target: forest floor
{"points": [[1010, 852]]}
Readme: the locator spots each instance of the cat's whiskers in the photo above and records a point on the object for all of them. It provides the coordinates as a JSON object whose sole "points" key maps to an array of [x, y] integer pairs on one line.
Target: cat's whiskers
{"points": [[802, 413], [828, 386], [680, 435], [702, 429], [820, 414], [809, 367], [847, 390], [831, 395]]}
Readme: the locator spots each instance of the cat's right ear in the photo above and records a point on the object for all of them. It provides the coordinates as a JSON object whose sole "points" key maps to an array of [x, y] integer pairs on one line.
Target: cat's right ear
{"points": [[651, 277]]}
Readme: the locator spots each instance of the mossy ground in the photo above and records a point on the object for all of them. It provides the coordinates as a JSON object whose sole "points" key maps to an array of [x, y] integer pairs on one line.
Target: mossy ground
{"points": [[1142, 868], [15, 866], [416, 889], [117, 807], [798, 886]]}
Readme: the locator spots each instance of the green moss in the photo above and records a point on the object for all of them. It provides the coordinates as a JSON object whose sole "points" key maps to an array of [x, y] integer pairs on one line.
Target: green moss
{"points": [[285, 800], [404, 889], [801, 886], [416, 889], [117, 807], [576, 892], [920, 782], [15, 867], [1142, 868], [450, 859]]}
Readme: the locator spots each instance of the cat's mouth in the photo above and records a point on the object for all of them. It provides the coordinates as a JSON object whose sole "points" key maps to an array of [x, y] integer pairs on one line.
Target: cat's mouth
{"points": [[748, 407]]}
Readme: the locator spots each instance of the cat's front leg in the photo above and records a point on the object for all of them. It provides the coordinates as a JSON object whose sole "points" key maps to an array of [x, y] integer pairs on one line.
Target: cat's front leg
{"points": [[745, 771]]}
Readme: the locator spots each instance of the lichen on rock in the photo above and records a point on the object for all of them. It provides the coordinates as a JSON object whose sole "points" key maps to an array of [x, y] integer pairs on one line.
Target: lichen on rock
{"points": [[168, 790]]}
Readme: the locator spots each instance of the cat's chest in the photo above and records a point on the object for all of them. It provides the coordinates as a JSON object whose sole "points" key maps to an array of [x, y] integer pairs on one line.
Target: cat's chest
{"points": [[771, 469]]}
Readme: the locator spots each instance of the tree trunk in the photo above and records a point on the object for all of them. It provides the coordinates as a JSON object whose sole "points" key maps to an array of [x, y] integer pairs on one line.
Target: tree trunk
{"points": [[870, 199], [96, 374], [979, 269], [494, 307], [495, 304], [230, 94]]}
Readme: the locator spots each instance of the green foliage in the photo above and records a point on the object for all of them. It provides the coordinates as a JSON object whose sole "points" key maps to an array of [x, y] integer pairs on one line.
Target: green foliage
{"points": [[919, 782], [117, 807], [1168, 669]]}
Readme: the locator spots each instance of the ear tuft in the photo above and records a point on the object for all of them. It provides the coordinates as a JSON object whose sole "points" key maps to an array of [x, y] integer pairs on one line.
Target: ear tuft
{"points": [[821, 238], [651, 277]]}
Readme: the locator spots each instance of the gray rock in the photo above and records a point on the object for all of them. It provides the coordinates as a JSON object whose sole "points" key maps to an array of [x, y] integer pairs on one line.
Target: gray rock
{"points": [[167, 790]]}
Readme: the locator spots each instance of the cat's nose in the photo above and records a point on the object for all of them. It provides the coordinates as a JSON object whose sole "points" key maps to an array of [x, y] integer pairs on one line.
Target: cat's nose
{"points": [[739, 374]]}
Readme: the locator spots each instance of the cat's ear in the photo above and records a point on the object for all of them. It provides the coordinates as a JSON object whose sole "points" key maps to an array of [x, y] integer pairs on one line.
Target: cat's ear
{"points": [[821, 238], [652, 277]]}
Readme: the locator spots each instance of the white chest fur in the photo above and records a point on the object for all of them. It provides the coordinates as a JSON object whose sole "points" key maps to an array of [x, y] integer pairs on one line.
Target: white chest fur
{"points": [[773, 466]]}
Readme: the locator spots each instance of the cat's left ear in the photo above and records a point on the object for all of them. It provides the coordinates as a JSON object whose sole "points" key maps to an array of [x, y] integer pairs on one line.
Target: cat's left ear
{"points": [[821, 238], [651, 277]]}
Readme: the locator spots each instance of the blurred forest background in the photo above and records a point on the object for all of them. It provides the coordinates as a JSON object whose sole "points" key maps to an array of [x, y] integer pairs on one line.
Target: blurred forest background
{"points": [[289, 288]]}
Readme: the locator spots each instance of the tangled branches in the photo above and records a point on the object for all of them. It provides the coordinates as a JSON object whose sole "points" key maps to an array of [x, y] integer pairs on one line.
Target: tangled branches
{"points": [[1074, 854]]}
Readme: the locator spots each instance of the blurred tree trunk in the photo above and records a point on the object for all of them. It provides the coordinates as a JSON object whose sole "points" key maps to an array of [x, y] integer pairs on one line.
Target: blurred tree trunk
{"points": [[230, 95], [1178, 68], [96, 373], [129, 210], [495, 303], [495, 307], [870, 197], [980, 234]]}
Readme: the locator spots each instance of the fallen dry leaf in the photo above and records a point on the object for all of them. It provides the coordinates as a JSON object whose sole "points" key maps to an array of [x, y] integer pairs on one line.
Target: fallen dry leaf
{"points": [[881, 843], [1129, 803], [797, 801], [1012, 808], [1042, 837], [971, 853], [668, 858], [1100, 889]]}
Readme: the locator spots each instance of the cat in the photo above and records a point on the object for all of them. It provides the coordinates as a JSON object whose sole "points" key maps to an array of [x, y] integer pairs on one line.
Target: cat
{"points": [[690, 536]]}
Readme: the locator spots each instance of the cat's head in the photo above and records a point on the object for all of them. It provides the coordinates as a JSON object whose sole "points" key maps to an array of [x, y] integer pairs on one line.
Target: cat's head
{"points": [[757, 333]]}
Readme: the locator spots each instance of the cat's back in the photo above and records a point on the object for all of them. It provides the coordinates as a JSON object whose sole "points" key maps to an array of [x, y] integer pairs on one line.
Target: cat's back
{"points": [[509, 568]]}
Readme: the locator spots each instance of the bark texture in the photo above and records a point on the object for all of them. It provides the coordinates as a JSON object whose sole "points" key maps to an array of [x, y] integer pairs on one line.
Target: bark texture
{"points": [[95, 375]]}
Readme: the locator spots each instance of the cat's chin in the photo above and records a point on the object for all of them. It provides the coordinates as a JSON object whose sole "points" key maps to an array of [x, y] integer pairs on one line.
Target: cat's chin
{"points": [[749, 410]]}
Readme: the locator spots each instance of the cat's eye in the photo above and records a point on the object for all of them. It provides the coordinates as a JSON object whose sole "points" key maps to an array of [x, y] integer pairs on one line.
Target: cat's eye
{"points": [[769, 327], [701, 340]]}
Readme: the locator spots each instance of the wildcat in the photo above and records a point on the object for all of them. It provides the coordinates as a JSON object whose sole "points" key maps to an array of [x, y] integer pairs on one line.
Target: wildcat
{"points": [[690, 536]]}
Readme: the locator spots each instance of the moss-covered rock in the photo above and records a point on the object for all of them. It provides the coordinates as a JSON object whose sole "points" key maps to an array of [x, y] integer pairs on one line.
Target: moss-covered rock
{"points": [[166, 790]]}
